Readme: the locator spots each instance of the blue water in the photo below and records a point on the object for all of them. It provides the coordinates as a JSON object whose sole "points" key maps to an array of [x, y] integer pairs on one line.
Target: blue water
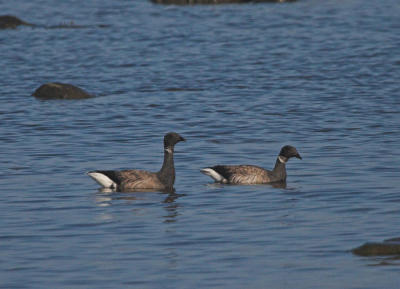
{"points": [[238, 82]]}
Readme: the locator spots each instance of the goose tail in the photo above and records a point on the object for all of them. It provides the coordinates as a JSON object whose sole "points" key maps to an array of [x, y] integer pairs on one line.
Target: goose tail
{"points": [[214, 175], [102, 179]]}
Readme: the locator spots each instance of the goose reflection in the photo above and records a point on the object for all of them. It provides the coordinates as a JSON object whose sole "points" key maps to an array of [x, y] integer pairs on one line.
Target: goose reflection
{"points": [[111, 191], [279, 185], [172, 207], [106, 197]]}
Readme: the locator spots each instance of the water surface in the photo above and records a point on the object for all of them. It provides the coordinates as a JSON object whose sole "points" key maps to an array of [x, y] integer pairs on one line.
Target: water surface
{"points": [[238, 82]]}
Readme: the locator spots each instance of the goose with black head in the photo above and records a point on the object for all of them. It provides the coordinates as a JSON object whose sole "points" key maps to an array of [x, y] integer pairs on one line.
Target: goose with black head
{"points": [[251, 175], [134, 180]]}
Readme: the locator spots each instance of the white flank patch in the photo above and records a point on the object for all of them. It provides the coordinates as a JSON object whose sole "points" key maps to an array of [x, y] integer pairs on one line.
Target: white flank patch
{"points": [[213, 174], [103, 180]]}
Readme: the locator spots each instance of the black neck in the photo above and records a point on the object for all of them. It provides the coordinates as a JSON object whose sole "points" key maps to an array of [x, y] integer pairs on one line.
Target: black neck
{"points": [[279, 171], [167, 172]]}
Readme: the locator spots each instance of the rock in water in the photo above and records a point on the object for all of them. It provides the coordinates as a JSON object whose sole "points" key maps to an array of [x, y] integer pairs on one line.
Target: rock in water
{"points": [[9, 21], [56, 90], [385, 248]]}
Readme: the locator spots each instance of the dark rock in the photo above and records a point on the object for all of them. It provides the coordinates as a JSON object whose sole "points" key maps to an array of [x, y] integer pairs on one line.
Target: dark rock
{"points": [[12, 22], [72, 25], [192, 2], [385, 248], [392, 240], [55, 90]]}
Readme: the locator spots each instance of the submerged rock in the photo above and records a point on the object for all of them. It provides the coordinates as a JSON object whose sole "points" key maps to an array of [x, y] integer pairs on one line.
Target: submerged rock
{"points": [[192, 2], [11, 22], [385, 248], [56, 90]]}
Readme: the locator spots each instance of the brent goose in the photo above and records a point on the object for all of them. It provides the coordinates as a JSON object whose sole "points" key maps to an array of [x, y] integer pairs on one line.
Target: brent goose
{"points": [[134, 180], [250, 175]]}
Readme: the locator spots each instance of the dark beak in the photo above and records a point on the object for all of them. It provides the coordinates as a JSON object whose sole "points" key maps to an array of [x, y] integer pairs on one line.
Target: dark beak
{"points": [[182, 139], [298, 156]]}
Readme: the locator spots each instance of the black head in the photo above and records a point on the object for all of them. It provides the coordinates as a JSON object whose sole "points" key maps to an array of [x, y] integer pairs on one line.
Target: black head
{"points": [[289, 152], [171, 138]]}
